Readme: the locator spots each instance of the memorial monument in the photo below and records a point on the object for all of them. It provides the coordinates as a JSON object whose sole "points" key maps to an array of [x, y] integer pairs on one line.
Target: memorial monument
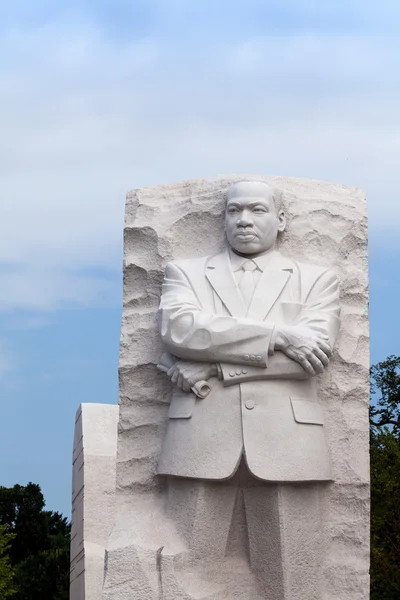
{"points": [[241, 461]]}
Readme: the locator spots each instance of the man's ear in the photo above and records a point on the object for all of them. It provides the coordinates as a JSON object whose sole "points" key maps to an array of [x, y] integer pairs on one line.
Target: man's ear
{"points": [[282, 221]]}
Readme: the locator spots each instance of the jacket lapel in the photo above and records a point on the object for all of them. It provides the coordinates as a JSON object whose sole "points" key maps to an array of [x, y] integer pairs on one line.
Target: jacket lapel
{"points": [[220, 276], [270, 286]]}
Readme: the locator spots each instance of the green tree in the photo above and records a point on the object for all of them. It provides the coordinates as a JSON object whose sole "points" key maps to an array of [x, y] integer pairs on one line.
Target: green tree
{"points": [[39, 548], [385, 480], [7, 587], [385, 387], [22, 511]]}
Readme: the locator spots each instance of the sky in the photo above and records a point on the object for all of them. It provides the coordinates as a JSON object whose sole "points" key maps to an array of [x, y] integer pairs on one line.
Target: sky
{"points": [[98, 97]]}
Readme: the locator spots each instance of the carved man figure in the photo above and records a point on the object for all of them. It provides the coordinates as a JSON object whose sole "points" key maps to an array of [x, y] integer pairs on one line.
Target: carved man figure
{"points": [[258, 327]]}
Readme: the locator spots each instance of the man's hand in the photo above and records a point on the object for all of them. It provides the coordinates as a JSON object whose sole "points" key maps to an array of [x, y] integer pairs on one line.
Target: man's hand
{"points": [[186, 374], [306, 346]]}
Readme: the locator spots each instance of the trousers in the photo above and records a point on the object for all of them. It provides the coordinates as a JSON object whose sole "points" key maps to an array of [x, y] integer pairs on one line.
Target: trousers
{"points": [[272, 530]]}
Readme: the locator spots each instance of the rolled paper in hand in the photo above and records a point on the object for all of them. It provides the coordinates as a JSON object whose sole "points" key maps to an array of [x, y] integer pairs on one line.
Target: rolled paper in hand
{"points": [[201, 389]]}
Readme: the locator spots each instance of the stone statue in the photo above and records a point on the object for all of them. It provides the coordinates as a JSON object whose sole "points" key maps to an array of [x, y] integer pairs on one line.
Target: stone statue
{"points": [[236, 465], [258, 327]]}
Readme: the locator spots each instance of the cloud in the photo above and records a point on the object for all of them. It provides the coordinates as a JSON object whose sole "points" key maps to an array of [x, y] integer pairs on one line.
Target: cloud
{"points": [[86, 115], [10, 378], [47, 289], [7, 361], [23, 322]]}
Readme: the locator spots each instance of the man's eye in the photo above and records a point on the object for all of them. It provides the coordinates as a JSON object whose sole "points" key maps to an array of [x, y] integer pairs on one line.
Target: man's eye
{"points": [[259, 209], [233, 210]]}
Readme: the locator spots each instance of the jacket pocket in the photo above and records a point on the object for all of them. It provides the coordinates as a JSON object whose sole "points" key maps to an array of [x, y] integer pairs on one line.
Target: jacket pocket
{"points": [[182, 405], [306, 411]]}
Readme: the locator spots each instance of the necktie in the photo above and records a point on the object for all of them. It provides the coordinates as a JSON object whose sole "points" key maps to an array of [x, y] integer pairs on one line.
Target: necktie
{"points": [[246, 284]]}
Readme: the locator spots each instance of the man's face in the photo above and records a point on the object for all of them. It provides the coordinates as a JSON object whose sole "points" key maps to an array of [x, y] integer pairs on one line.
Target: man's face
{"points": [[251, 220]]}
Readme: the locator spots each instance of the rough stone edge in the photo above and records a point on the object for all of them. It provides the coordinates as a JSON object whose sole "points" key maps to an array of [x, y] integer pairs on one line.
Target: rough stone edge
{"points": [[278, 179]]}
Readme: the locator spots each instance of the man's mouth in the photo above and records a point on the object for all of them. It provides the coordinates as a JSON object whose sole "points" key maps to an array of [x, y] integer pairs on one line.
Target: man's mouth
{"points": [[246, 236]]}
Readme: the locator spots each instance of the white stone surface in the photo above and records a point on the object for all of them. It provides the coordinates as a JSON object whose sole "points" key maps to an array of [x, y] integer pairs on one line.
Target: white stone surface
{"points": [[93, 497], [148, 550]]}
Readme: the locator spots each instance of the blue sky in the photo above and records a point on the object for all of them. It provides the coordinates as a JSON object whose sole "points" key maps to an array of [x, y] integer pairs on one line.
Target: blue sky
{"points": [[99, 97]]}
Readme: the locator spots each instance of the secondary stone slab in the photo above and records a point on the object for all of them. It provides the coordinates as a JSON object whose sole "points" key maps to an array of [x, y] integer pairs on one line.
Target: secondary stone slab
{"points": [[93, 497]]}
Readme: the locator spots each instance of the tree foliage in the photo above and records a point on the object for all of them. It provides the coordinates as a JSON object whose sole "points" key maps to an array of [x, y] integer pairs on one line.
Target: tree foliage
{"points": [[38, 544], [385, 480], [385, 387], [7, 586]]}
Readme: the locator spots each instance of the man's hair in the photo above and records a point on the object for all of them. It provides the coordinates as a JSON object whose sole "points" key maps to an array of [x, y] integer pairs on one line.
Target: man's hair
{"points": [[277, 195]]}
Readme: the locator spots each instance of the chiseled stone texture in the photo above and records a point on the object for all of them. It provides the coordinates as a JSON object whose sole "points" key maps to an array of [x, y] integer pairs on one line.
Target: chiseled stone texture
{"points": [[327, 226], [93, 497]]}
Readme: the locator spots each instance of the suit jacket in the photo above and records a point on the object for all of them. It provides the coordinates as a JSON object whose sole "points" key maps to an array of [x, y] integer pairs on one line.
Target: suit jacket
{"points": [[266, 406]]}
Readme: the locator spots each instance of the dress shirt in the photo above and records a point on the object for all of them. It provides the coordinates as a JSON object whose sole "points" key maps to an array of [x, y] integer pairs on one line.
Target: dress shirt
{"points": [[261, 261]]}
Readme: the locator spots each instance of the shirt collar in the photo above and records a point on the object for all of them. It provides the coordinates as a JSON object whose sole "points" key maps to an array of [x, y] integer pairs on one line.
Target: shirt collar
{"points": [[261, 260]]}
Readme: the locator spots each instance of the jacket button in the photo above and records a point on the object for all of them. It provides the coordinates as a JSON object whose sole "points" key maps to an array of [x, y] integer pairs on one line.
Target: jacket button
{"points": [[246, 357], [249, 404], [259, 358], [238, 372], [252, 357], [244, 371], [231, 373]]}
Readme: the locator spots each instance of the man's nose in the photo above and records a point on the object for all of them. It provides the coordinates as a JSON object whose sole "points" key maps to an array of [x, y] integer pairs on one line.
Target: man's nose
{"points": [[244, 219]]}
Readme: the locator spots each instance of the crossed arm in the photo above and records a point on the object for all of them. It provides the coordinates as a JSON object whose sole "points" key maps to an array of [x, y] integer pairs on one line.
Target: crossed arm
{"points": [[209, 345]]}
